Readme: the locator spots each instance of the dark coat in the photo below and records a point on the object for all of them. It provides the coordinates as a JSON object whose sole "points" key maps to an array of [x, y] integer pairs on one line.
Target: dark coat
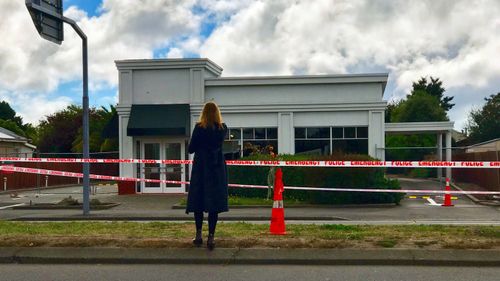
{"points": [[208, 188]]}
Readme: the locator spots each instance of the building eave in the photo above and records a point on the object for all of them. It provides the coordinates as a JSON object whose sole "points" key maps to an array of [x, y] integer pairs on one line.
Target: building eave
{"points": [[375, 106], [153, 64], [419, 127], [298, 79]]}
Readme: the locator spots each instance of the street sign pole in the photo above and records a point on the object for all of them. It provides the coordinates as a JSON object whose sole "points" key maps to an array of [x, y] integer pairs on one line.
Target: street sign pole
{"points": [[52, 10]]}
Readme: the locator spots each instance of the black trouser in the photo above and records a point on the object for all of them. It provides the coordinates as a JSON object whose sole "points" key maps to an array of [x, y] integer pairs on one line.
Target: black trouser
{"points": [[212, 221]]}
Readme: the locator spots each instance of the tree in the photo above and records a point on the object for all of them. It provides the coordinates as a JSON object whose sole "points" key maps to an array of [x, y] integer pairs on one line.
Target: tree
{"points": [[484, 124], [418, 107], [98, 142], [12, 126], [14, 123], [58, 131], [435, 89], [390, 110], [62, 131], [6, 112]]}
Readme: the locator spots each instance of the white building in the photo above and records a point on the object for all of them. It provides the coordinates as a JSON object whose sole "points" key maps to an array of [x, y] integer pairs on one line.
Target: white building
{"points": [[161, 100]]}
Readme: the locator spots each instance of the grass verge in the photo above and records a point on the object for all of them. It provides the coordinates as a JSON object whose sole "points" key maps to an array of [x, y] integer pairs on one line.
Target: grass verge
{"points": [[244, 235]]}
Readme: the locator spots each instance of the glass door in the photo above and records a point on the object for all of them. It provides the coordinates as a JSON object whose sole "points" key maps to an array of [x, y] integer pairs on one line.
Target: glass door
{"points": [[174, 150], [151, 150], [168, 150]]}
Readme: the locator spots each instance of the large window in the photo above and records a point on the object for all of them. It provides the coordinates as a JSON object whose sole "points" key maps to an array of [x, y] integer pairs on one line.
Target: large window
{"points": [[329, 140], [242, 142]]}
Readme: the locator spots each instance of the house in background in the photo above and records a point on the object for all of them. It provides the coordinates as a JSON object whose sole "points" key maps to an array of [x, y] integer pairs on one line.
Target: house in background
{"points": [[491, 145], [13, 145]]}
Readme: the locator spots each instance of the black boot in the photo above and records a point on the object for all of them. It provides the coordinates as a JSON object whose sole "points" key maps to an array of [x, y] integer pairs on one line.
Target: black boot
{"points": [[198, 240], [210, 241]]}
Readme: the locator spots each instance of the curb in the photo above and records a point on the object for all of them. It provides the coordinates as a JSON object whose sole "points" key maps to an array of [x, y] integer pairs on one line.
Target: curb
{"points": [[52, 206], [474, 198], [58, 255]]}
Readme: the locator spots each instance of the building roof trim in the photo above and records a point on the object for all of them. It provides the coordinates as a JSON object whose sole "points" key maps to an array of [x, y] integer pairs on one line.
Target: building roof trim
{"points": [[298, 79], [483, 143], [152, 64], [416, 127], [11, 134], [373, 106]]}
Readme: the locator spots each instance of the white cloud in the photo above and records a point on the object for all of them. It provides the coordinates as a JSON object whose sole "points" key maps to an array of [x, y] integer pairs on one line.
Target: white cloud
{"points": [[124, 29], [33, 107], [455, 40], [175, 53]]}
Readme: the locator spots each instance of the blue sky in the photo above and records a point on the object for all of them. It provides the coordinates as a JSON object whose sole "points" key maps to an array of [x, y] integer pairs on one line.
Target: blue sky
{"points": [[450, 39], [89, 6], [105, 96]]}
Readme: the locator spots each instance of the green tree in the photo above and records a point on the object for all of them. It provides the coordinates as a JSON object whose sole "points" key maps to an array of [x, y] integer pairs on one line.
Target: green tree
{"points": [[434, 87], [390, 110], [12, 126], [418, 107], [9, 120], [484, 123], [99, 118], [62, 131], [58, 131], [6, 112]]}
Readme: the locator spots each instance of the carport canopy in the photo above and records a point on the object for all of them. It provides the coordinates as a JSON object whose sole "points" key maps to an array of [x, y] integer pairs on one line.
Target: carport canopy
{"points": [[438, 128]]}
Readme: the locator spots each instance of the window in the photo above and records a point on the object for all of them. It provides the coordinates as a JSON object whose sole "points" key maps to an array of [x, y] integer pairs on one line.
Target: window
{"points": [[313, 140], [350, 132], [247, 141], [338, 133], [328, 140]]}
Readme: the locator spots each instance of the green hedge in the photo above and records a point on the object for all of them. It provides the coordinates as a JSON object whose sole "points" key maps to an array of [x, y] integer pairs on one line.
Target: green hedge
{"points": [[318, 177]]}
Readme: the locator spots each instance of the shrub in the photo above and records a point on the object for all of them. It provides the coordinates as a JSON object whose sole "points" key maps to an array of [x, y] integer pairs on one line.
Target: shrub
{"points": [[332, 177], [68, 201]]}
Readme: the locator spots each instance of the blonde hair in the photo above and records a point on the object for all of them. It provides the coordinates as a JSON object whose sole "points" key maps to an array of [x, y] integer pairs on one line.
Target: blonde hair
{"points": [[210, 115]]}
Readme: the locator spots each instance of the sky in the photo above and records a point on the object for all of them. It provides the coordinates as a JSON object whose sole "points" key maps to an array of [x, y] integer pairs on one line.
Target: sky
{"points": [[455, 40]]}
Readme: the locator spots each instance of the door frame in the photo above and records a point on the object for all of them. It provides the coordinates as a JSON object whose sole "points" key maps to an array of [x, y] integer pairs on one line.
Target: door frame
{"points": [[162, 186]]}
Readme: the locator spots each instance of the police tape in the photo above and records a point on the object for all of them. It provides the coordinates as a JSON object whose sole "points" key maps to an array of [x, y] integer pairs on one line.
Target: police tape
{"points": [[115, 178], [305, 163]]}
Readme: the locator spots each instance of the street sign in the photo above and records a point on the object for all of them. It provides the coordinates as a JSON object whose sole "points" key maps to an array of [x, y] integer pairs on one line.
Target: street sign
{"points": [[47, 17]]}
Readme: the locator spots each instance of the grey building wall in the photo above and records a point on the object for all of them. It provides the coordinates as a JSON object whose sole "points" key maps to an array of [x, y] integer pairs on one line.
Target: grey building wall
{"points": [[282, 102]]}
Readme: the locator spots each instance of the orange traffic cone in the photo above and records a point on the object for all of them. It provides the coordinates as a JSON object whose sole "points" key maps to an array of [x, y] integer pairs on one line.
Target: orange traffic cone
{"points": [[278, 212], [447, 195]]}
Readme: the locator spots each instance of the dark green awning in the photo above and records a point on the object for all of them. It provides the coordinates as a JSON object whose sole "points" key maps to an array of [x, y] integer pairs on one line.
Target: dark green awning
{"points": [[159, 120]]}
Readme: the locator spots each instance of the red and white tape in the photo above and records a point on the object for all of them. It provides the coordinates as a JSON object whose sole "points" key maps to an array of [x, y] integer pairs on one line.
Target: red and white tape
{"points": [[114, 178], [308, 163]]}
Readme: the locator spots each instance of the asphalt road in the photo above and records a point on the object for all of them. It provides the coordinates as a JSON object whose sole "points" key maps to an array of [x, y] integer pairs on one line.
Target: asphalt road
{"points": [[416, 210], [14, 272]]}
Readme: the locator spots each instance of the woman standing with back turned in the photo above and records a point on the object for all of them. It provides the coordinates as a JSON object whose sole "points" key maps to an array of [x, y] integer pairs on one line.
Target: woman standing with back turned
{"points": [[208, 187]]}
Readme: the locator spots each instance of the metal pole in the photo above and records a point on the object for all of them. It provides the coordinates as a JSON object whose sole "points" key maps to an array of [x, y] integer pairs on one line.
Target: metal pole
{"points": [[440, 155], [448, 153], [85, 103], [85, 127]]}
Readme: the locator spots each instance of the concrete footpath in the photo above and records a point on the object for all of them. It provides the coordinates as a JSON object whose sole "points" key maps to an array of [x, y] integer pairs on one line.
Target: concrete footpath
{"points": [[53, 255]]}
